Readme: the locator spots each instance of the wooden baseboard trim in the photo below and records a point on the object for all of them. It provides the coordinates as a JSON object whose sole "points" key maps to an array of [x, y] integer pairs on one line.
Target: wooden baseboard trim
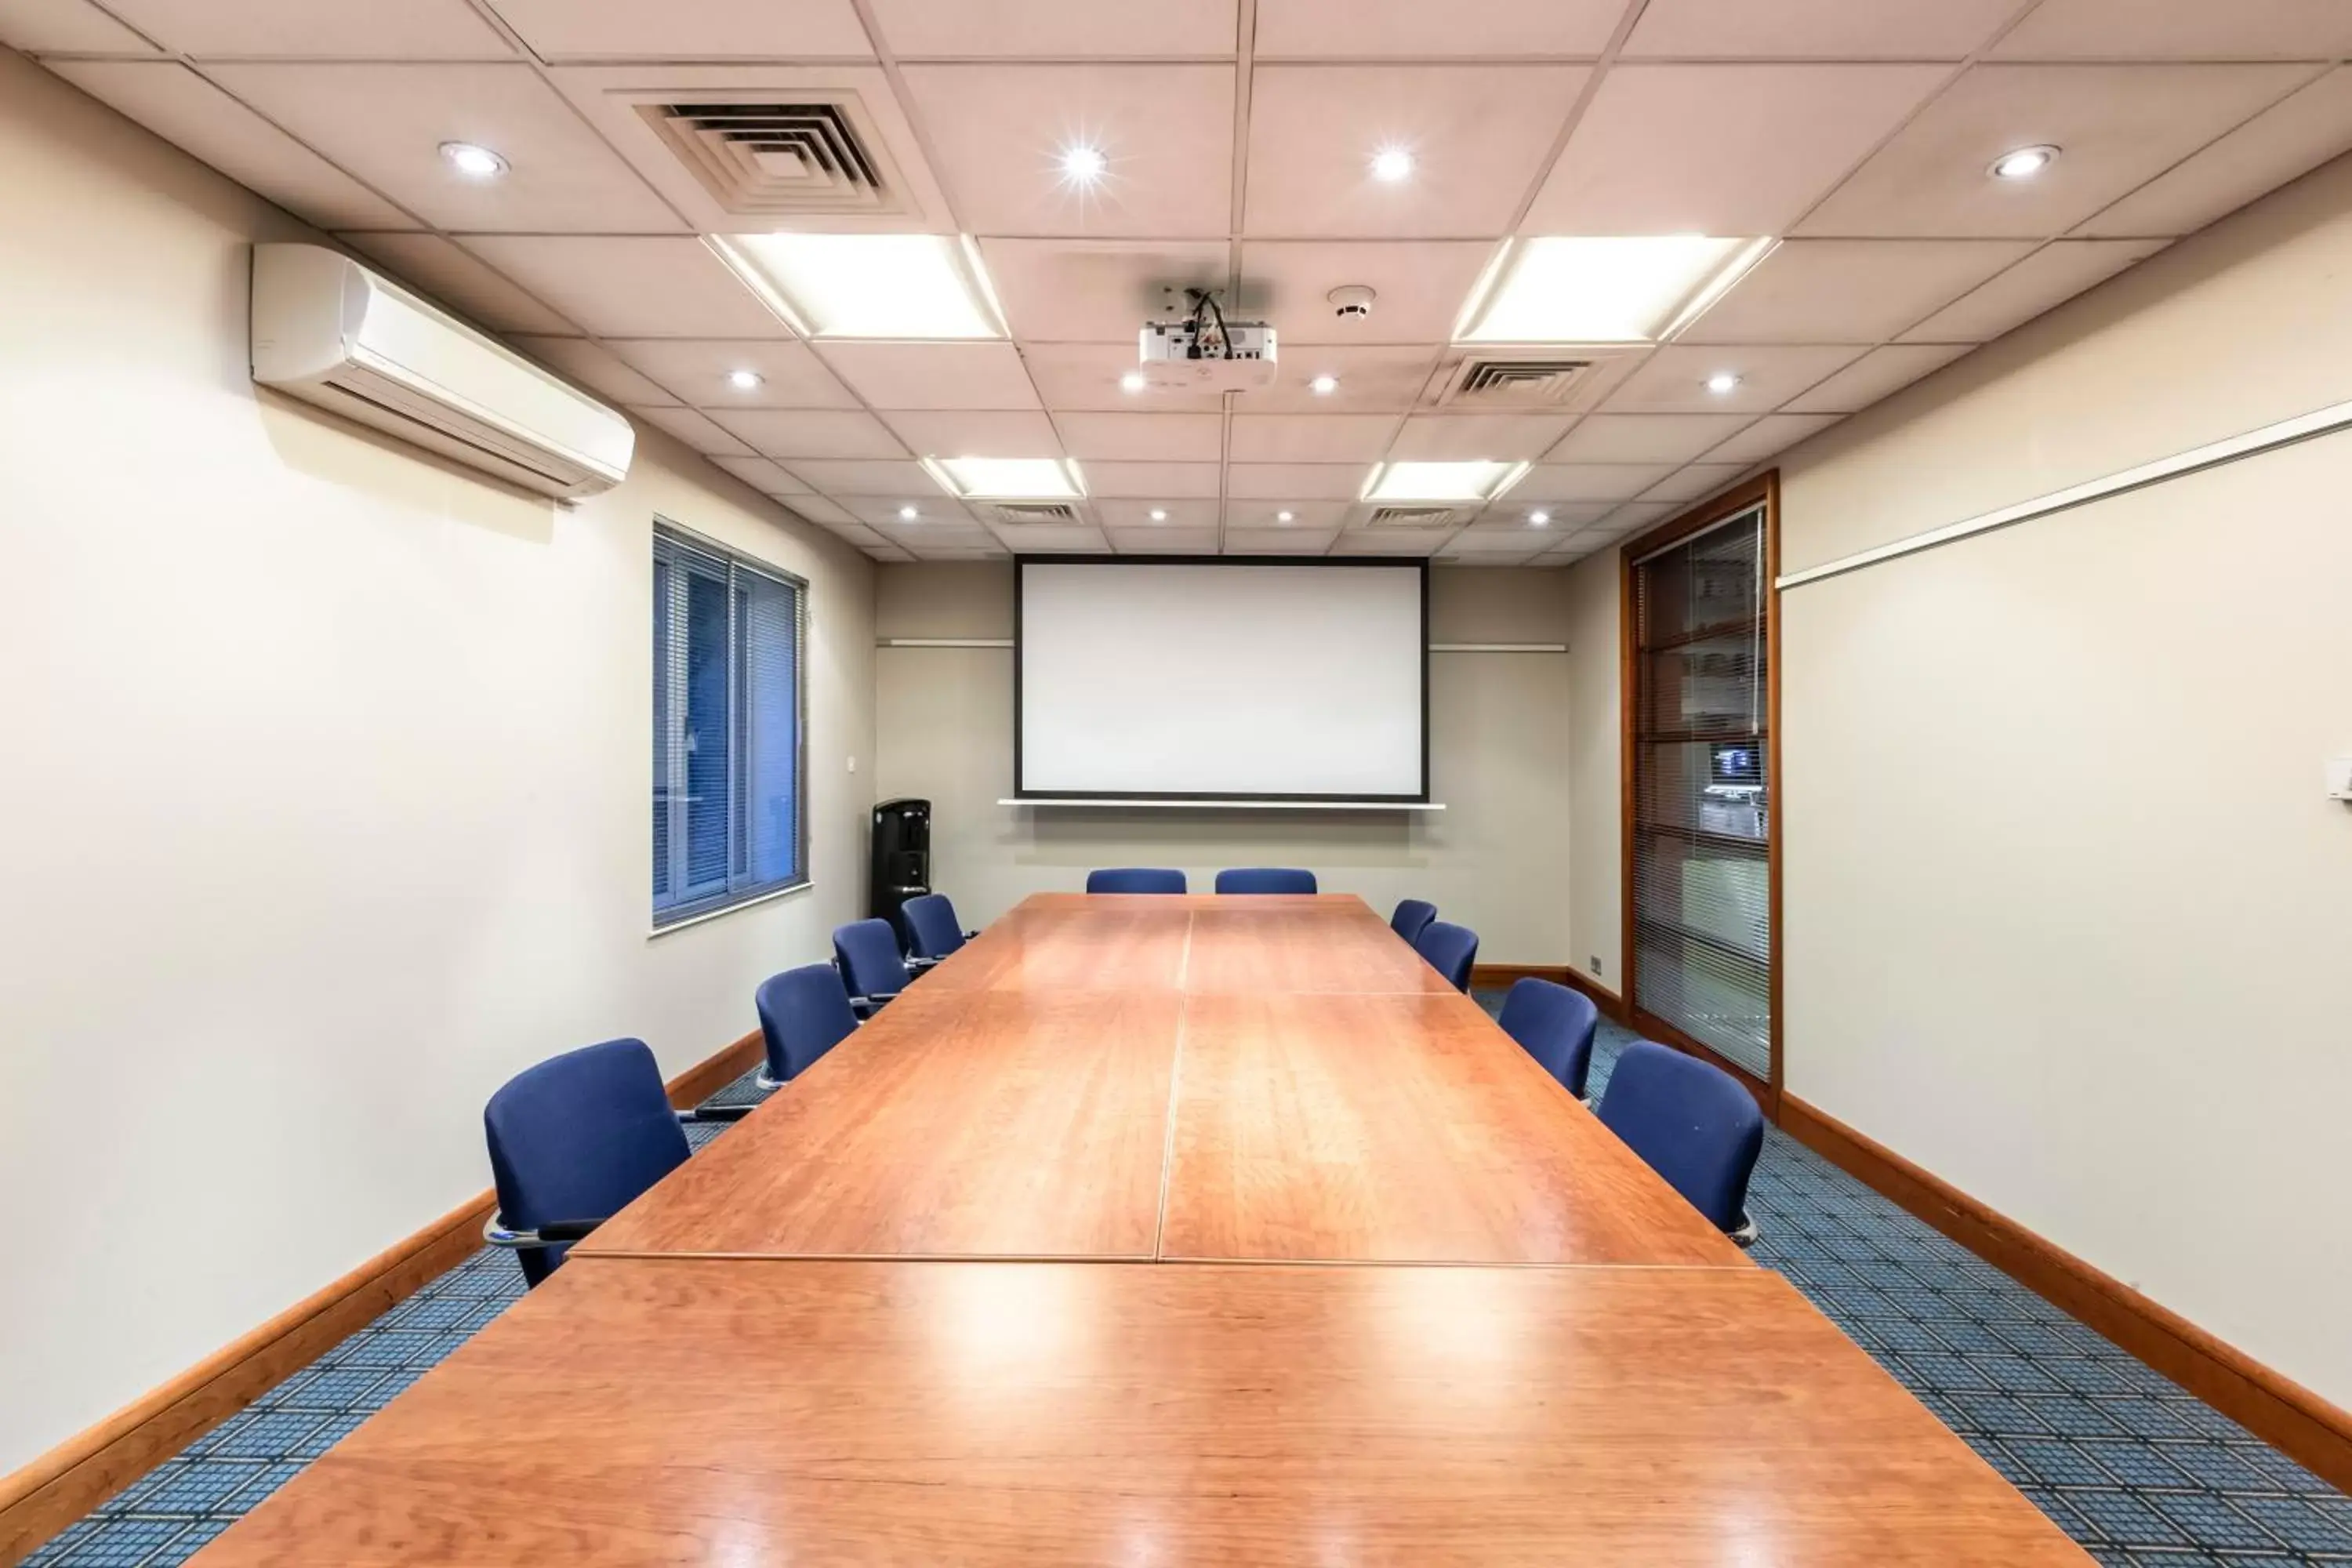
{"points": [[1495, 976], [78, 1475], [2310, 1429]]}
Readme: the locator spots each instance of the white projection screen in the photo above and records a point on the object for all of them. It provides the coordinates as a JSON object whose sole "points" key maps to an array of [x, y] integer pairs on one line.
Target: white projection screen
{"points": [[1181, 680]]}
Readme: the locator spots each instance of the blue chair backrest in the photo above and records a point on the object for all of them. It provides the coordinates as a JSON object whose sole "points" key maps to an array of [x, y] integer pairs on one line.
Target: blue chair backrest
{"points": [[578, 1137], [804, 1013], [932, 923], [867, 952], [1691, 1122], [1135, 879], [1556, 1025], [1265, 879], [1450, 950], [1411, 916]]}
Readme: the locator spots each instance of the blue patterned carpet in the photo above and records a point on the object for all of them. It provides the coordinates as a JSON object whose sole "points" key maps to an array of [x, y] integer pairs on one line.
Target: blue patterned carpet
{"points": [[2138, 1471]]}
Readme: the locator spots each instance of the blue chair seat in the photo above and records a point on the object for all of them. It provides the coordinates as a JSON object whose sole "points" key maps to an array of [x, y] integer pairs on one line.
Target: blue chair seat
{"points": [[1556, 1025], [1265, 879], [1693, 1123], [871, 964], [1412, 918], [804, 1013], [932, 926], [1135, 879], [1451, 949]]}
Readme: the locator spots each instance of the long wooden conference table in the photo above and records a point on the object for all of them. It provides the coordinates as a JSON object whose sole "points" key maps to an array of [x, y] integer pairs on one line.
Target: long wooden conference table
{"points": [[1158, 1231]]}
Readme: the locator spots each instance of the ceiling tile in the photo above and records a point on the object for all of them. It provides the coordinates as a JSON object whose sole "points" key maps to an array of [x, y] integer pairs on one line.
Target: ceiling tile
{"points": [[765, 476], [933, 510], [1417, 30], [696, 369], [1126, 28], [1296, 481], [35, 26], [632, 286], [1513, 510], [1311, 437], [1674, 380], [1695, 483], [1422, 286], [1632, 516], [1156, 541], [1769, 437], [385, 123], [1279, 540], [1143, 438], [1051, 538], [1151, 481], [1493, 438], [976, 433], [1720, 149], [2277, 145], [866, 479], [826, 513], [1478, 136], [1876, 374], [695, 430], [1390, 542], [2181, 30], [1269, 514], [1137, 514], [998, 132], [2055, 273], [1587, 482], [811, 432], [2119, 125], [1098, 292], [934, 375], [339, 29], [612, 98], [194, 115], [1087, 377], [595, 367], [1644, 437], [1850, 291], [930, 540], [687, 29], [1495, 547], [436, 267], [1817, 29], [1370, 379]]}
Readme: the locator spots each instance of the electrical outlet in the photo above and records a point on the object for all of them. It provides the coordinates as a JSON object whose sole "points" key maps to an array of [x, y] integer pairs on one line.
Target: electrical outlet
{"points": [[1596, 965]]}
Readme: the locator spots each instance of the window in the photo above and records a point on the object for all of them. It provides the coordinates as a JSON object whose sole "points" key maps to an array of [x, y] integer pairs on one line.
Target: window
{"points": [[728, 771]]}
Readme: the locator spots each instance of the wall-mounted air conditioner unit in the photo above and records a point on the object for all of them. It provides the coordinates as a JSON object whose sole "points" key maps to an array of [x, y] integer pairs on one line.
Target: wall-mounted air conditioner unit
{"points": [[327, 330]]}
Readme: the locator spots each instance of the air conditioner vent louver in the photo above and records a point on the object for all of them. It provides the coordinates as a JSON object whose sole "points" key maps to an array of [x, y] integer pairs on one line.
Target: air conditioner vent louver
{"points": [[1411, 516], [1039, 511], [1514, 382], [769, 160]]}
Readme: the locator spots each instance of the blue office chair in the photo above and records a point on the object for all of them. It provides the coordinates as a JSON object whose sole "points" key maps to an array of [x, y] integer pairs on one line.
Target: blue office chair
{"points": [[1411, 917], [1135, 879], [1450, 950], [574, 1140], [932, 927], [1694, 1124], [1556, 1025], [871, 966], [1265, 879], [804, 1013]]}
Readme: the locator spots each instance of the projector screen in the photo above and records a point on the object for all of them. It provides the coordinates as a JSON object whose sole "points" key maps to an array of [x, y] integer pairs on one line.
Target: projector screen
{"points": [[1156, 679]]}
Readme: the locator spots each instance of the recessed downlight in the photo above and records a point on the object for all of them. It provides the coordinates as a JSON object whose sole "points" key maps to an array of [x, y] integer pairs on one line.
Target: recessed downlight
{"points": [[474, 163], [1132, 382], [1538, 519], [1391, 165], [2024, 163], [744, 380], [1083, 164], [1723, 383], [1159, 514], [1286, 517], [909, 513], [1324, 385]]}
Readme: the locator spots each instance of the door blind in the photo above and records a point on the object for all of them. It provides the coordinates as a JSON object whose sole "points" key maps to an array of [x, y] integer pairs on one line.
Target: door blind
{"points": [[1702, 801]]}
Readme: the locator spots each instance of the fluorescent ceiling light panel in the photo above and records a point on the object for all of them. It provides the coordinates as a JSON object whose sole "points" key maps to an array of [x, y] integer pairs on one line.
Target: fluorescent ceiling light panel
{"points": [[884, 286], [1441, 481], [1008, 479], [1601, 290]]}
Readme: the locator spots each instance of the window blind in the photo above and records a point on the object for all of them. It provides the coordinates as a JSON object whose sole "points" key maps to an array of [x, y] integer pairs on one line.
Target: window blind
{"points": [[1702, 859], [727, 753]]}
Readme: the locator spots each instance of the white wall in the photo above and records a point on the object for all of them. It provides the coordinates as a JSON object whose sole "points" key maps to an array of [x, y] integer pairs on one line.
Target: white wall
{"points": [[1597, 829], [1495, 859], [327, 798]]}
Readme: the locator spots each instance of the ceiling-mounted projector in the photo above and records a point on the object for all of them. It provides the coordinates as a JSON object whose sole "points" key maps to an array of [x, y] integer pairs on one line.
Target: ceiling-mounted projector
{"points": [[1204, 352]]}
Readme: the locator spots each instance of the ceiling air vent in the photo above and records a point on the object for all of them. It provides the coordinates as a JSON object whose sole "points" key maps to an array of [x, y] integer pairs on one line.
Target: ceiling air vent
{"points": [[1410, 517], [1513, 383], [787, 159], [1036, 512]]}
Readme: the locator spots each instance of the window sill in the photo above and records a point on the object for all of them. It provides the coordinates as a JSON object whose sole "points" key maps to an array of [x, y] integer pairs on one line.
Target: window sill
{"points": [[753, 902]]}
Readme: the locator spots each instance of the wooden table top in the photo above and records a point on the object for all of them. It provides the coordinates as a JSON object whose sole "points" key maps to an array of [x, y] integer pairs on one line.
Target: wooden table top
{"points": [[689, 1412], [979, 1115]]}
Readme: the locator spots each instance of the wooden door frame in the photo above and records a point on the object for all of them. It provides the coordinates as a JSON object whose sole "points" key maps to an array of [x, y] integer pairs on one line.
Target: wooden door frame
{"points": [[1763, 490]]}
